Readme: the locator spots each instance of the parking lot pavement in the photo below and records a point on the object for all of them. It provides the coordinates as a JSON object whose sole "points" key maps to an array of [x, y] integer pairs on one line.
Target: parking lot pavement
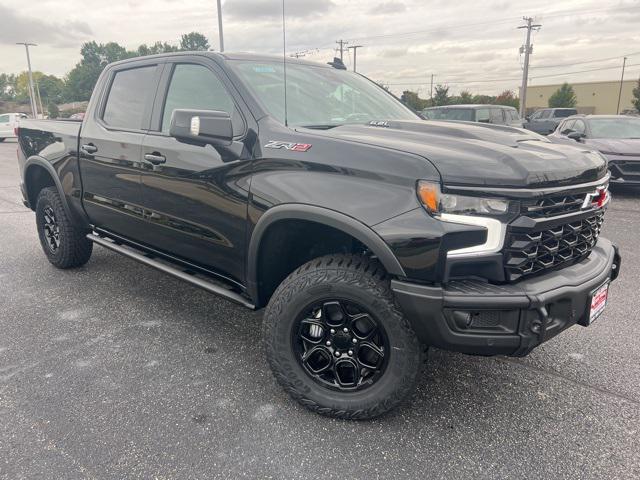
{"points": [[115, 370]]}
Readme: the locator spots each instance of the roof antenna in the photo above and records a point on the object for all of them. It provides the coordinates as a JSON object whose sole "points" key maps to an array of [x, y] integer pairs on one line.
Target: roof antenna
{"points": [[284, 65]]}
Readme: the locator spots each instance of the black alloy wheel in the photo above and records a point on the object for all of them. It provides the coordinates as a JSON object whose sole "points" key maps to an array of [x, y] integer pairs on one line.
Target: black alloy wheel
{"points": [[340, 345], [51, 229]]}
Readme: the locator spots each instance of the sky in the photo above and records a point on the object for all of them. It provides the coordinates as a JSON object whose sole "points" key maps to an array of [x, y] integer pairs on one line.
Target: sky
{"points": [[465, 44]]}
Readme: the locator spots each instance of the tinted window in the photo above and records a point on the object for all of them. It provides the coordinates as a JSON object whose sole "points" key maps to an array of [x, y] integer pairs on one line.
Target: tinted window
{"points": [[567, 126], [565, 112], [496, 116], [4, 118], [464, 114], [579, 127], [131, 92], [482, 115], [197, 88], [545, 114]]}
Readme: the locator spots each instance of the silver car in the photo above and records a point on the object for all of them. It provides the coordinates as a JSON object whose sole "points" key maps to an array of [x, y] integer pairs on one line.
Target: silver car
{"points": [[617, 137]]}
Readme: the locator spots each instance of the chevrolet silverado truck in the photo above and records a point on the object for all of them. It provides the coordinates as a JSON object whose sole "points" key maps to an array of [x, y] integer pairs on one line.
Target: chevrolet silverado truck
{"points": [[365, 232]]}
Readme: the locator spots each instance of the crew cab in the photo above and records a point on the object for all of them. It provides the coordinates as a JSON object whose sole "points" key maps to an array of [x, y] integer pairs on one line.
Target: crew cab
{"points": [[365, 232]]}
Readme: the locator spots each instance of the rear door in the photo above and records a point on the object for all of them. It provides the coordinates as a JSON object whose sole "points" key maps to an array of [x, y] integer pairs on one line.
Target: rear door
{"points": [[110, 148], [195, 197]]}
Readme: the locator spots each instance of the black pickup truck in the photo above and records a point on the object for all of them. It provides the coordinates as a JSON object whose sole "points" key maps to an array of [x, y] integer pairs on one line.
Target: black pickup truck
{"points": [[366, 232]]}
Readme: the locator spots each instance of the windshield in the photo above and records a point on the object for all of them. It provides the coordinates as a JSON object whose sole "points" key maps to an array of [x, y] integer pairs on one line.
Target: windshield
{"points": [[318, 96], [615, 127], [564, 113], [464, 114]]}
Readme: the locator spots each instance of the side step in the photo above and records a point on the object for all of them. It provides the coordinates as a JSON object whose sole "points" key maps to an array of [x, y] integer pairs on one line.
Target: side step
{"points": [[173, 271]]}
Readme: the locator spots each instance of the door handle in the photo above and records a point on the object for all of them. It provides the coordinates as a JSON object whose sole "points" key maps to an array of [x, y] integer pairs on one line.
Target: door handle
{"points": [[155, 158], [89, 148]]}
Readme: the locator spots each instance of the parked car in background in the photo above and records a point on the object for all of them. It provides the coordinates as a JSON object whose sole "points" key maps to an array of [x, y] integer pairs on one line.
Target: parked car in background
{"points": [[77, 116], [617, 137], [8, 123], [495, 114], [546, 120]]}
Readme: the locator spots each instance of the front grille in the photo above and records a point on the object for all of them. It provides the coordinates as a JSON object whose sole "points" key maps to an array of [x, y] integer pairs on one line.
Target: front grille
{"points": [[531, 252], [553, 205]]}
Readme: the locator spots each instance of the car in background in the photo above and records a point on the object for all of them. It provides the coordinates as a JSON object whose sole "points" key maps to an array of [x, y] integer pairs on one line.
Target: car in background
{"points": [[495, 114], [546, 120], [8, 124], [77, 116], [617, 137]]}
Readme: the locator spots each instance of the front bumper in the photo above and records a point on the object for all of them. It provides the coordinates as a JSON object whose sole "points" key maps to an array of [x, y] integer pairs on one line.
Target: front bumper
{"points": [[479, 318]]}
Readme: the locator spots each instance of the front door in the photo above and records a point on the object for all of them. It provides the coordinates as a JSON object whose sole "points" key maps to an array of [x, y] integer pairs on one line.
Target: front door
{"points": [[195, 196], [110, 150]]}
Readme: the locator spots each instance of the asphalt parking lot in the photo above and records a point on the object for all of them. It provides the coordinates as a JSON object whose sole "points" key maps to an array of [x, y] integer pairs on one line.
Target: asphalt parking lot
{"points": [[115, 370]]}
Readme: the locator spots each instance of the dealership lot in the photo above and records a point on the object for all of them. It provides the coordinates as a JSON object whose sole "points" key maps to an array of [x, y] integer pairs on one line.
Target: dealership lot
{"points": [[117, 371]]}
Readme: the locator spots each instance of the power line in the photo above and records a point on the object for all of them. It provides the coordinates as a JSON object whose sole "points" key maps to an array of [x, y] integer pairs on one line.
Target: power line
{"points": [[537, 67], [341, 44]]}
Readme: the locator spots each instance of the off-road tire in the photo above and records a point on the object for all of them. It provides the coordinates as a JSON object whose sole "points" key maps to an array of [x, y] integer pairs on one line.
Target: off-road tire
{"points": [[74, 248], [354, 278]]}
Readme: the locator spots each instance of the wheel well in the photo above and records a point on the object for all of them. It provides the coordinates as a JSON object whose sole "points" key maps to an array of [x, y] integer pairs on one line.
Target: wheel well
{"points": [[36, 179], [287, 244]]}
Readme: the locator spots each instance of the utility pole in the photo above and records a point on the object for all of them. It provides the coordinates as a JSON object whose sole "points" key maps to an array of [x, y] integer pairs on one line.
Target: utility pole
{"points": [[355, 49], [32, 95], [431, 91], [527, 49], [624, 64], [342, 44], [220, 26]]}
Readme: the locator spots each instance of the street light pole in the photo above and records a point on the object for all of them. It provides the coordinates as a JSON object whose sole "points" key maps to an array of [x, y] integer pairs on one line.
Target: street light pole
{"points": [[32, 95], [624, 64], [220, 26]]}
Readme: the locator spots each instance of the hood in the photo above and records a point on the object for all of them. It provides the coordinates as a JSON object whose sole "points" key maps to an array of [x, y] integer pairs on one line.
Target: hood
{"points": [[467, 153], [620, 146]]}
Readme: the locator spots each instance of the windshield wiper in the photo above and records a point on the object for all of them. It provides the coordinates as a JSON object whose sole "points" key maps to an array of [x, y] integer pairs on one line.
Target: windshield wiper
{"points": [[322, 126]]}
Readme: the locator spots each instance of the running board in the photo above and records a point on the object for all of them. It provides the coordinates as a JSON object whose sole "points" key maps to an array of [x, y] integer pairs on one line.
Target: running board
{"points": [[173, 271]]}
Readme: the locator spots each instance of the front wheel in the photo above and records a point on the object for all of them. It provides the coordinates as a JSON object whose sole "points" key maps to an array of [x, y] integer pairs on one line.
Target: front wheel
{"points": [[337, 342]]}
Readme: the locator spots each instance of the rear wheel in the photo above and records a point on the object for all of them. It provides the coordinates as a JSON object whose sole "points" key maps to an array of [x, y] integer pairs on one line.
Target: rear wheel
{"points": [[336, 341], [64, 244]]}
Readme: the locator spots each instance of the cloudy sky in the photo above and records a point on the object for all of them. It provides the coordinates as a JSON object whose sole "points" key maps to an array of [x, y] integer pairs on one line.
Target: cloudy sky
{"points": [[467, 44]]}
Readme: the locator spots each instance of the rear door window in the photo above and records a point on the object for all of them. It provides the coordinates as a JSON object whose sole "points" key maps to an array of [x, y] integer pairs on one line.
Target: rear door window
{"points": [[4, 118], [564, 113], [483, 115], [129, 101]]}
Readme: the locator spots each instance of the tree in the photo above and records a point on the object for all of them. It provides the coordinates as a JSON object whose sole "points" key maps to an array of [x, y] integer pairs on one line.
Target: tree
{"points": [[636, 97], [412, 100], [7, 86], [441, 96], [564, 97], [194, 41], [158, 47], [509, 99], [54, 112]]}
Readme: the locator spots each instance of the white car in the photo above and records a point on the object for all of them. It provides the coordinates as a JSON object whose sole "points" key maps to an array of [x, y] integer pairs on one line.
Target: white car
{"points": [[8, 122]]}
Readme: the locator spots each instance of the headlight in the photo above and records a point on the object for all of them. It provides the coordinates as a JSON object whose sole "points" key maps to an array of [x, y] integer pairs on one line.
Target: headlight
{"points": [[437, 202], [490, 213]]}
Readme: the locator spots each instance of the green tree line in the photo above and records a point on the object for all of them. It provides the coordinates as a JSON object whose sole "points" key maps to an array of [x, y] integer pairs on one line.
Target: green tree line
{"points": [[441, 97], [78, 84]]}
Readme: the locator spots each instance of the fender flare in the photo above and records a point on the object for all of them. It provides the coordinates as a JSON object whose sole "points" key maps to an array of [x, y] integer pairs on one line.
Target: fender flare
{"points": [[325, 216], [41, 162]]}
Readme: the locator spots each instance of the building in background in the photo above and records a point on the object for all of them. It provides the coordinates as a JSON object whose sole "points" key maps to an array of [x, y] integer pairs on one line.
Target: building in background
{"points": [[600, 98]]}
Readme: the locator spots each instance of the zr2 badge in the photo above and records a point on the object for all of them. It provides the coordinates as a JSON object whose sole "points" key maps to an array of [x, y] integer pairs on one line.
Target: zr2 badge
{"points": [[294, 147]]}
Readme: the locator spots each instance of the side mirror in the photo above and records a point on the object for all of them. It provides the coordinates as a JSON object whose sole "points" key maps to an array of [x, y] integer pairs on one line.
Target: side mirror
{"points": [[577, 136], [201, 126]]}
